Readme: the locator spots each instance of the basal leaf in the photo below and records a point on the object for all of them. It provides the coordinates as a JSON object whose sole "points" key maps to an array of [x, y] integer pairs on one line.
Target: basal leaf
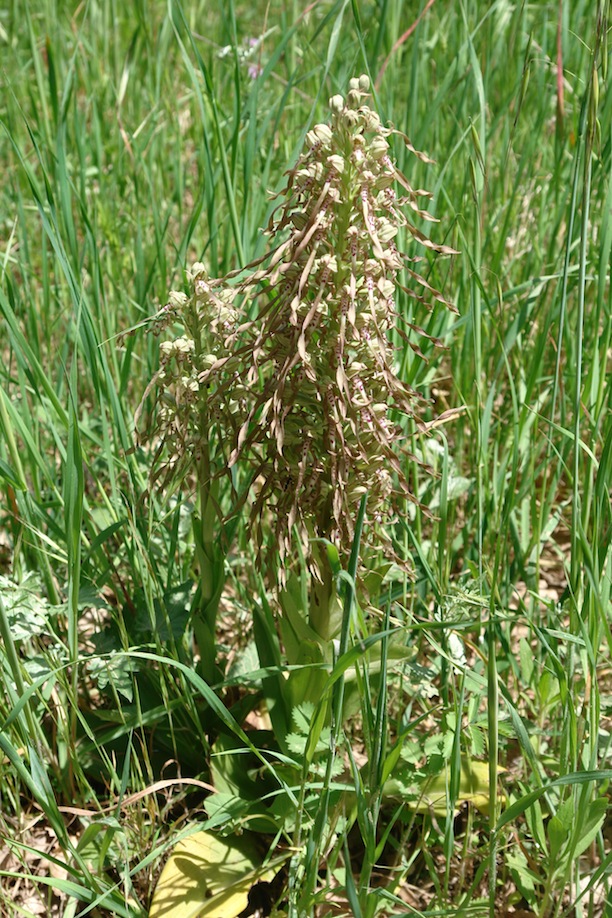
{"points": [[208, 876]]}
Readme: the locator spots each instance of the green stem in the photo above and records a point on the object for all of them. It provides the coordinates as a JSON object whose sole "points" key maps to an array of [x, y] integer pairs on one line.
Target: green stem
{"points": [[33, 728]]}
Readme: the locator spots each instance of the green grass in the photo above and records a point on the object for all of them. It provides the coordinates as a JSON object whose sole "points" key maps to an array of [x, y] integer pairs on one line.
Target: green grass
{"points": [[133, 142]]}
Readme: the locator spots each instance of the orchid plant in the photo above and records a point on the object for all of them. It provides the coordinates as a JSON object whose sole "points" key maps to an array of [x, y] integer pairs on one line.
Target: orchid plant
{"points": [[282, 380], [285, 370]]}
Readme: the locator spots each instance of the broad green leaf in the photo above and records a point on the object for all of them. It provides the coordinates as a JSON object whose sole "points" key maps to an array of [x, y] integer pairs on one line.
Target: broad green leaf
{"points": [[172, 614], [527, 800], [560, 827], [473, 788], [234, 770], [307, 683], [524, 878], [208, 876], [591, 825]]}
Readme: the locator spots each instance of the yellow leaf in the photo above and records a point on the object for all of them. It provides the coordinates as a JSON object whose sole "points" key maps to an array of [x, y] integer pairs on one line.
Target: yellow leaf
{"points": [[207, 876], [473, 788]]}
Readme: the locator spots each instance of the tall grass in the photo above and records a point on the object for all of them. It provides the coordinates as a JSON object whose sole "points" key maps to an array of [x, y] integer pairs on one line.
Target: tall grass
{"points": [[135, 141]]}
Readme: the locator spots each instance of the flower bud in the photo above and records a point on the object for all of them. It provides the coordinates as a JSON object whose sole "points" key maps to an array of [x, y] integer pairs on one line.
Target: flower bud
{"points": [[184, 345], [386, 230], [336, 104], [178, 299], [384, 180], [371, 121], [323, 133], [191, 385], [330, 262], [378, 147], [386, 287], [336, 162], [364, 82]]}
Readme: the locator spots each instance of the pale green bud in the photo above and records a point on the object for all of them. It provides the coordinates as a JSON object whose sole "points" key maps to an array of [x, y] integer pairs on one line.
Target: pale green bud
{"points": [[384, 180], [378, 147], [386, 230], [336, 162], [191, 385], [330, 262], [177, 299], [336, 104], [393, 260], [184, 345], [201, 287], [315, 171], [178, 346], [323, 133], [386, 287], [371, 121]]}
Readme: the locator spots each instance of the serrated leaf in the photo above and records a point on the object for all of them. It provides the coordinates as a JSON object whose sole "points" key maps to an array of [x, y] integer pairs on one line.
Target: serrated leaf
{"points": [[302, 717], [412, 752], [245, 662], [478, 740], [296, 743], [118, 671], [434, 744], [223, 808], [27, 610], [207, 876]]}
